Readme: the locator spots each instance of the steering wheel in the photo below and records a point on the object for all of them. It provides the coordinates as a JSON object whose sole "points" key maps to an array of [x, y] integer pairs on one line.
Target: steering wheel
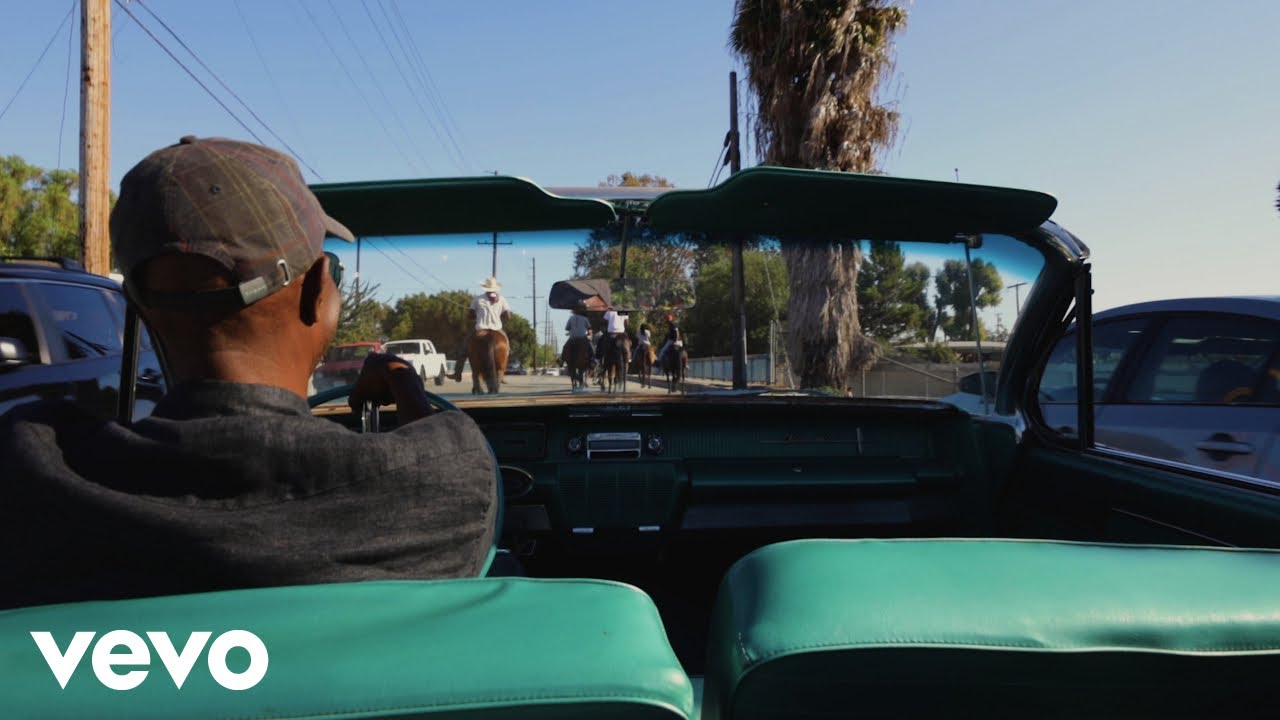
{"points": [[334, 393]]}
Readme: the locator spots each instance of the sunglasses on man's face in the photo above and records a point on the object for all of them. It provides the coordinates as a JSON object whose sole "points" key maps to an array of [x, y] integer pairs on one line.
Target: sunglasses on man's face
{"points": [[335, 269]]}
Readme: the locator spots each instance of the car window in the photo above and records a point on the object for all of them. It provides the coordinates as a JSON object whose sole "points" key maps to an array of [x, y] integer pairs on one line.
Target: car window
{"points": [[403, 348], [15, 318], [84, 323], [118, 307], [1221, 359], [1112, 340]]}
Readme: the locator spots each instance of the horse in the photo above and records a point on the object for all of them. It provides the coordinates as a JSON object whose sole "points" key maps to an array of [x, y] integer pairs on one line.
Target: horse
{"points": [[577, 357], [487, 350], [675, 365], [644, 365], [614, 361]]}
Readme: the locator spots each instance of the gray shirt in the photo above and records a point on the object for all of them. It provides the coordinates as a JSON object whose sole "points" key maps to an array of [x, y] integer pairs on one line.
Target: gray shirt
{"points": [[229, 486]]}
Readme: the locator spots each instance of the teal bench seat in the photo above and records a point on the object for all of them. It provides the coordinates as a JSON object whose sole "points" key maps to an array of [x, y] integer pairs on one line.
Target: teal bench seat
{"points": [[995, 628], [484, 648]]}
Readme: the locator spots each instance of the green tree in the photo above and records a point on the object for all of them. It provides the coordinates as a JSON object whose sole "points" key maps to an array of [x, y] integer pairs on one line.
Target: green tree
{"points": [[440, 318], [892, 296], [952, 285], [709, 324], [443, 318], [522, 337], [362, 316], [38, 213], [815, 67]]}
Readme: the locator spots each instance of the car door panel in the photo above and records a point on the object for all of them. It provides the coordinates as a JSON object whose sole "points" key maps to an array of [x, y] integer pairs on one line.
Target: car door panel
{"points": [[1227, 438], [1060, 493]]}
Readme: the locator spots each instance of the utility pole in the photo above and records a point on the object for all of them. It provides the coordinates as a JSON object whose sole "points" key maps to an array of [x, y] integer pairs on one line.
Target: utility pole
{"points": [[95, 134], [494, 242], [739, 284], [534, 298], [1017, 298]]}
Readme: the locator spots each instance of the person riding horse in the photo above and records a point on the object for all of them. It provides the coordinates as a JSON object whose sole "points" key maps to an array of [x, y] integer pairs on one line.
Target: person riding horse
{"points": [[615, 330], [488, 311], [579, 329], [673, 339], [644, 339]]}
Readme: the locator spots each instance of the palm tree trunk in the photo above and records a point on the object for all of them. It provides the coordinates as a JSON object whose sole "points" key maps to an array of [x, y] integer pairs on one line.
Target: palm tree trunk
{"points": [[825, 339]]}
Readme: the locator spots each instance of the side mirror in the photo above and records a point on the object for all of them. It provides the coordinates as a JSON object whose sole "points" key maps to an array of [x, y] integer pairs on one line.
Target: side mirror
{"points": [[13, 352]]}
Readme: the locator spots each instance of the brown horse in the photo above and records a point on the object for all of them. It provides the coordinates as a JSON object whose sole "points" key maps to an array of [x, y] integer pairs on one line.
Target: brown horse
{"points": [[644, 364], [614, 358], [577, 357], [487, 350], [676, 366]]}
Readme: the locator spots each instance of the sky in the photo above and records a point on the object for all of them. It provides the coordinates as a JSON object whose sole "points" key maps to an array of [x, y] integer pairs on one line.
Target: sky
{"points": [[1154, 122]]}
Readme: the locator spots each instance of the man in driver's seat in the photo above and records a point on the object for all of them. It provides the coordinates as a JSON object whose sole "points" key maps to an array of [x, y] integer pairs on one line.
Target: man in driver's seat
{"points": [[232, 482]]}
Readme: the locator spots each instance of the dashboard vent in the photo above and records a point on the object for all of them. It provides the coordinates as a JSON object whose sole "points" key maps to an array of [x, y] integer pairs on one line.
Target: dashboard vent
{"points": [[613, 446]]}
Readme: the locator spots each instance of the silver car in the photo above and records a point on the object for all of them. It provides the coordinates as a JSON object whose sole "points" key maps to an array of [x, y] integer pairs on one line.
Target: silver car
{"points": [[1193, 381]]}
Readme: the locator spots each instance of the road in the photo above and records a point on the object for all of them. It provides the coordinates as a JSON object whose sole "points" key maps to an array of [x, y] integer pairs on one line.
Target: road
{"points": [[557, 385]]}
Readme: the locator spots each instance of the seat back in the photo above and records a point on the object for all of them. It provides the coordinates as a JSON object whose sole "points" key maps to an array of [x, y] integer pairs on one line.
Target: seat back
{"points": [[482, 648], [991, 628]]}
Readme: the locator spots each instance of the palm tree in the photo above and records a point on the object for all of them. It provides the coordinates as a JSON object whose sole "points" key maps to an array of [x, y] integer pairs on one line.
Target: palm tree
{"points": [[815, 67]]}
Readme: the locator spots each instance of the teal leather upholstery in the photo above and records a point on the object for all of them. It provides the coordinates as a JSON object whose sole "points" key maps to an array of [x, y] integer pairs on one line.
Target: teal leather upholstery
{"points": [[476, 648], [995, 628]]}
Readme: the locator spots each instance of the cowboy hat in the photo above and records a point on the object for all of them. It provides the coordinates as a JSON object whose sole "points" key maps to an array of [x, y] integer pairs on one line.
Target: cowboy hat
{"points": [[490, 284]]}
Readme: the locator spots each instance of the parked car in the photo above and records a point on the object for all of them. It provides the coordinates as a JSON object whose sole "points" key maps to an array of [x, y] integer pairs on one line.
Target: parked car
{"points": [[969, 393], [515, 367], [341, 365], [1194, 381], [422, 355], [61, 332]]}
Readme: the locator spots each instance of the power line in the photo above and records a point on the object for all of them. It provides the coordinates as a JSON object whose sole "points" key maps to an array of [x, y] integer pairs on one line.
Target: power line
{"points": [[395, 115], [418, 281], [39, 60], [66, 91], [438, 99], [266, 69], [715, 171], [400, 70], [233, 94], [333, 52], [186, 69]]}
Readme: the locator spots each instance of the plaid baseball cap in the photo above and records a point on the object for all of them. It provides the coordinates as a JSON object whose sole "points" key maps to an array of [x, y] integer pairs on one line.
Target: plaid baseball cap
{"points": [[242, 205]]}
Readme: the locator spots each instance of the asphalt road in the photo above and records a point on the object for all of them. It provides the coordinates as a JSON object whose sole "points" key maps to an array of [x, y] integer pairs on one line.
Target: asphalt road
{"points": [[555, 385]]}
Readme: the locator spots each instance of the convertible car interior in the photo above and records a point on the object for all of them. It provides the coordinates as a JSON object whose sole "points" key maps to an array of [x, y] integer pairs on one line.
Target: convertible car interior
{"points": [[769, 553]]}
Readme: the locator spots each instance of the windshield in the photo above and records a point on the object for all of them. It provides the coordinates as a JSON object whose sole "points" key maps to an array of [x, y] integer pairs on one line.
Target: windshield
{"points": [[913, 301]]}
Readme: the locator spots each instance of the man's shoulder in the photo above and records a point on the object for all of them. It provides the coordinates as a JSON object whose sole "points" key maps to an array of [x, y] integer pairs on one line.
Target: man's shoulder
{"points": [[52, 412]]}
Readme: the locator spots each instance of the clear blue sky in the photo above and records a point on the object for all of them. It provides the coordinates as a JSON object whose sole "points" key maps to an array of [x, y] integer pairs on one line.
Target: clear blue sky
{"points": [[1154, 122]]}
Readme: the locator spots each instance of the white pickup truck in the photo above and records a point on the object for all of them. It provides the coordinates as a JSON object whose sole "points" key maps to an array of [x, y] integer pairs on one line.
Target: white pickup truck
{"points": [[422, 355]]}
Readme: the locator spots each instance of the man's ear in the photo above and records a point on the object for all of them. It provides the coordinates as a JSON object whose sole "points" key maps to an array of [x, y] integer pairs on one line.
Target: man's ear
{"points": [[313, 291]]}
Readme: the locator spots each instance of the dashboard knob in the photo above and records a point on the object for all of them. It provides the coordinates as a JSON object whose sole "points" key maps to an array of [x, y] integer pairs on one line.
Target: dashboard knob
{"points": [[654, 444], [574, 444]]}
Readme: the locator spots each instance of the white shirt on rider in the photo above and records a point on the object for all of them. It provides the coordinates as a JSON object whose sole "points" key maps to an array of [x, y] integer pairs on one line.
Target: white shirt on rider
{"points": [[489, 314], [617, 323]]}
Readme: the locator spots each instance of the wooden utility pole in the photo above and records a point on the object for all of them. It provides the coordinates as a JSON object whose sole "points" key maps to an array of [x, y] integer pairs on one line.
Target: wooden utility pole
{"points": [[534, 297], [95, 134], [739, 284]]}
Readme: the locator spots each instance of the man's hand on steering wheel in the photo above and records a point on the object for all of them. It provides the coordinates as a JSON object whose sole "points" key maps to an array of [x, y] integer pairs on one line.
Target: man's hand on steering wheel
{"points": [[386, 379]]}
